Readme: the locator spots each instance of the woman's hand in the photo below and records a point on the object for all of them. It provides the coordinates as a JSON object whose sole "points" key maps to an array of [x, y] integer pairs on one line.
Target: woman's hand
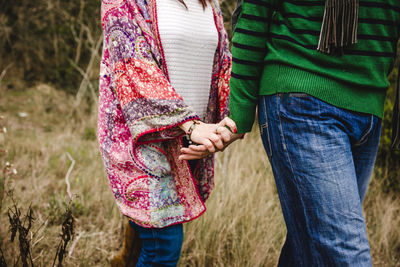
{"points": [[204, 134], [193, 152], [200, 151], [225, 129]]}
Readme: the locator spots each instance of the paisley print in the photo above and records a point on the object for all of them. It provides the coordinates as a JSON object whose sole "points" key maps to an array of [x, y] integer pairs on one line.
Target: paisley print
{"points": [[139, 114]]}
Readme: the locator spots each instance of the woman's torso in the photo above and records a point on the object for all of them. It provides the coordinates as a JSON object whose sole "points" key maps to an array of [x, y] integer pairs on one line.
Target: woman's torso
{"points": [[189, 39]]}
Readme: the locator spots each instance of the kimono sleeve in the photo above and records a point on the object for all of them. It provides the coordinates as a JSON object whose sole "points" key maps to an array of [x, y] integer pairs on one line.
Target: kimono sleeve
{"points": [[151, 107]]}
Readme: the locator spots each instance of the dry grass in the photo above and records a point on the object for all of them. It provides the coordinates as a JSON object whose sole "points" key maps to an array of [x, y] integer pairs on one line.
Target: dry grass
{"points": [[243, 225]]}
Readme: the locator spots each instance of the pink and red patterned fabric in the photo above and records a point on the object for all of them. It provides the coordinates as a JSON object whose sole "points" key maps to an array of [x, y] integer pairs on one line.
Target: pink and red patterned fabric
{"points": [[139, 112]]}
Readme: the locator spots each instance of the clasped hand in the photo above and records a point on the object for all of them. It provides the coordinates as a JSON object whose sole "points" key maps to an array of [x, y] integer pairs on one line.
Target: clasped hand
{"points": [[209, 138]]}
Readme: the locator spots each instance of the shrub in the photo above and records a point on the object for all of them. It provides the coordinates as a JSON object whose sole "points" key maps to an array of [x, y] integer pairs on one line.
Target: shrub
{"points": [[46, 40]]}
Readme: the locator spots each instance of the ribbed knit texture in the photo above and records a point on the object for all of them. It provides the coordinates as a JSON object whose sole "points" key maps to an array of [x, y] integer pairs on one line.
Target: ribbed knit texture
{"points": [[274, 51], [189, 39]]}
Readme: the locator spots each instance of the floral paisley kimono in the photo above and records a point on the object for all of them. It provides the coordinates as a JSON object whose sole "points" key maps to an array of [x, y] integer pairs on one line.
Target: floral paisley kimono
{"points": [[139, 114]]}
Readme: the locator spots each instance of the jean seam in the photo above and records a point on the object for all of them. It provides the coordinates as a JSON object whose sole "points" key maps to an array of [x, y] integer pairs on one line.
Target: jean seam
{"points": [[286, 152], [266, 128], [339, 189], [366, 133], [280, 124]]}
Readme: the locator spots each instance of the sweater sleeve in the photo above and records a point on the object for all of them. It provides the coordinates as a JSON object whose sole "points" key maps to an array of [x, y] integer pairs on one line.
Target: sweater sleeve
{"points": [[248, 53]]}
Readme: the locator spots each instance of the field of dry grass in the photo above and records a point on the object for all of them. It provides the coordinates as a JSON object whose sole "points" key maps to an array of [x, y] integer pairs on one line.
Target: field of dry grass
{"points": [[53, 149]]}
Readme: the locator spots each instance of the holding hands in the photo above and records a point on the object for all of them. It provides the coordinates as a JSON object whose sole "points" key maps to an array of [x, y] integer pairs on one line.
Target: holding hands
{"points": [[208, 138]]}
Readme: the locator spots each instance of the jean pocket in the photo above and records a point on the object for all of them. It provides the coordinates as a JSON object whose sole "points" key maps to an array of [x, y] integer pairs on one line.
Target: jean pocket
{"points": [[264, 127], [301, 107]]}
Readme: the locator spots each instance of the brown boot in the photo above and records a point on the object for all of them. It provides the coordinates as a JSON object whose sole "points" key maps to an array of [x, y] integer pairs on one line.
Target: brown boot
{"points": [[129, 255]]}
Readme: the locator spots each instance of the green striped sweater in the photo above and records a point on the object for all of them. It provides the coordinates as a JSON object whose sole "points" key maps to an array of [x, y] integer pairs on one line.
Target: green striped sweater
{"points": [[274, 51]]}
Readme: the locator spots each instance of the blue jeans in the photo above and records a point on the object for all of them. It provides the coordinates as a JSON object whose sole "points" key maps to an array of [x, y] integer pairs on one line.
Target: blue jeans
{"points": [[161, 247], [322, 158]]}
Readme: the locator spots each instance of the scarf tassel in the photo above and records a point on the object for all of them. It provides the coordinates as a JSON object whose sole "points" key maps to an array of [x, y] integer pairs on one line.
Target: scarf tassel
{"points": [[339, 26]]}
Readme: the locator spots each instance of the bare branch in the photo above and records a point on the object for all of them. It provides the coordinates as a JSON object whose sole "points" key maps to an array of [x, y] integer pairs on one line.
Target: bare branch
{"points": [[71, 167], [85, 81], [3, 73]]}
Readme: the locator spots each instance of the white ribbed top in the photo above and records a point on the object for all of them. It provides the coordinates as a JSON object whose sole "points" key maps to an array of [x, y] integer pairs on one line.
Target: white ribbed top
{"points": [[189, 38]]}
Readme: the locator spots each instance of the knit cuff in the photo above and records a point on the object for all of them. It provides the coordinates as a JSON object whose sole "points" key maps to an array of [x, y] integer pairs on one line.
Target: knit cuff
{"points": [[243, 115]]}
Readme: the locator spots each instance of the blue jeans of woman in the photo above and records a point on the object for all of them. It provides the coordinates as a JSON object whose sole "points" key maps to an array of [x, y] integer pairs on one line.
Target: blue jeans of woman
{"points": [[322, 158], [161, 247]]}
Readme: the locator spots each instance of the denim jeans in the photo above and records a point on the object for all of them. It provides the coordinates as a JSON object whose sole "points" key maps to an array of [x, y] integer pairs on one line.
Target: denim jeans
{"points": [[322, 158], [161, 247]]}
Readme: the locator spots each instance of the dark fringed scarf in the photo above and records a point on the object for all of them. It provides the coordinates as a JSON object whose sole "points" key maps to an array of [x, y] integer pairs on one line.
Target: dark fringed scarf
{"points": [[339, 26], [338, 30]]}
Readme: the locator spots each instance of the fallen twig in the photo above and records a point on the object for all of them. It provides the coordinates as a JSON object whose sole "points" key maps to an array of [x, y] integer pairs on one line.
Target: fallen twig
{"points": [[74, 243], [71, 167], [3, 73], [81, 235]]}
